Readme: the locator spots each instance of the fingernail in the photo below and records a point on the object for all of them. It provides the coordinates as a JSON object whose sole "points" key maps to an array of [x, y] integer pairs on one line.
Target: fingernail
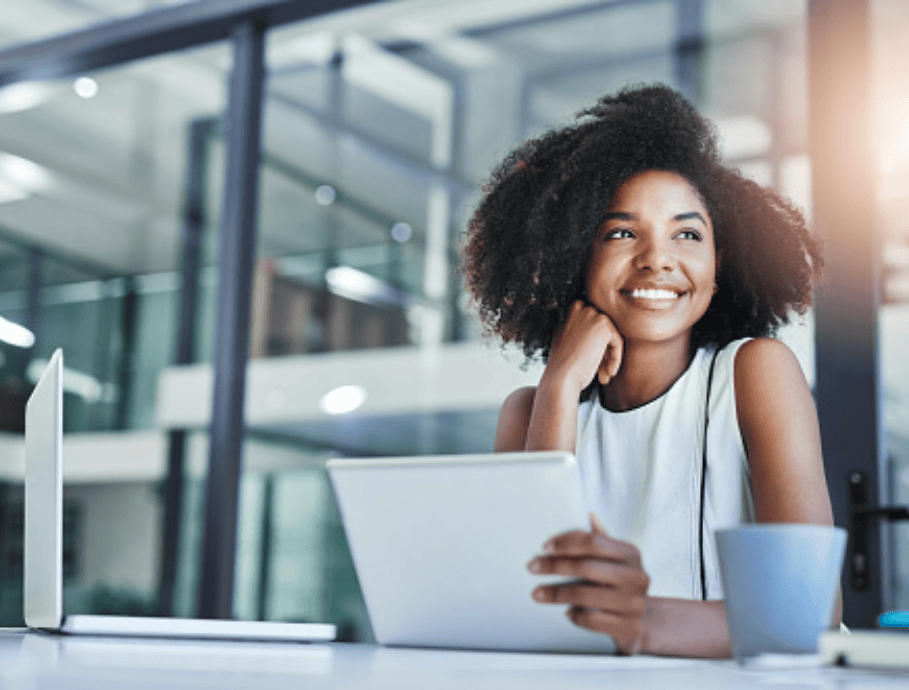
{"points": [[534, 566], [549, 547], [538, 594]]}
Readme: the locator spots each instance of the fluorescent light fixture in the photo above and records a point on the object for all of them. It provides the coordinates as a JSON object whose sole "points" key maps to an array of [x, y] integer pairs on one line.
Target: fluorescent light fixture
{"points": [[22, 96], [23, 173], [325, 195], [401, 232], [342, 399], [361, 287], [84, 385], [85, 87], [10, 192], [14, 334]]}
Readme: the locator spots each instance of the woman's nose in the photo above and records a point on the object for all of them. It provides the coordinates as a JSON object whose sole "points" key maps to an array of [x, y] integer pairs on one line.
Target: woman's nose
{"points": [[654, 256]]}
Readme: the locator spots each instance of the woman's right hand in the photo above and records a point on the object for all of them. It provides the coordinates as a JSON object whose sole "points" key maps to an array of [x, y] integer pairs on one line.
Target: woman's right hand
{"points": [[586, 345]]}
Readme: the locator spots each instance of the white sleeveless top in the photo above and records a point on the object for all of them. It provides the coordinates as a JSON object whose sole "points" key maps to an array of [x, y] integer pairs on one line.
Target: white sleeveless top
{"points": [[641, 471]]}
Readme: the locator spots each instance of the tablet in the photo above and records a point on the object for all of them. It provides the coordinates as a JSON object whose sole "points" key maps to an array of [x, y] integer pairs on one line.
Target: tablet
{"points": [[441, 546]]}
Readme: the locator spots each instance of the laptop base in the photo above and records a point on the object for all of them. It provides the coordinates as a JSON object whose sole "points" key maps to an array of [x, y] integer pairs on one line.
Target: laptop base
{"points": [[196, 628]]}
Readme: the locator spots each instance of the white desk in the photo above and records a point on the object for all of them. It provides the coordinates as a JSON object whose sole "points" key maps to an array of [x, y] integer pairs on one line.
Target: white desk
{"points": [[36, 661]]}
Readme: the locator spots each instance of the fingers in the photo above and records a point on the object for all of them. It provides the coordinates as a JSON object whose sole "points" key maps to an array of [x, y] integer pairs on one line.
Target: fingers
{"points": [[591, 596], [629, 578], [607, 587], [628, 632], [579, 544], [595, 525], [612, 359], [586, 346], [601, 572], [611, 598]]}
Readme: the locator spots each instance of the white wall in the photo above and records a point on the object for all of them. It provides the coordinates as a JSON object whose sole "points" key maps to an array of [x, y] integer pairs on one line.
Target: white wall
{"points": [[119, 539]]}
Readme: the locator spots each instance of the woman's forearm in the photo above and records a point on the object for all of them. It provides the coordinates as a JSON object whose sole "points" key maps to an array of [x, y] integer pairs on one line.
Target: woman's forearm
{"points": [[682, 627], [553, 421]]}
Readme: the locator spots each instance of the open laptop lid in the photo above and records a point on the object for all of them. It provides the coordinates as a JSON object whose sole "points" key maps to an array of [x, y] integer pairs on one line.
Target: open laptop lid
{"points": [[43, 569]]}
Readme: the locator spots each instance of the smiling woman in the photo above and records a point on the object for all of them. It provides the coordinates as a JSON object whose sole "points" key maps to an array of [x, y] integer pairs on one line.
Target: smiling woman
{"points": [[649, 277]]}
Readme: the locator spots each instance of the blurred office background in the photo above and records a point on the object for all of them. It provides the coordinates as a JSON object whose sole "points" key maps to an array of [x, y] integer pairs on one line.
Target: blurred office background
{"points": [[379, 123]]}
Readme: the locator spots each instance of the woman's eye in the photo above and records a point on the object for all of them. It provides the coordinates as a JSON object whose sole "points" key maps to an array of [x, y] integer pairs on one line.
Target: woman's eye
{"points": [[689, 235], [618, 234]]}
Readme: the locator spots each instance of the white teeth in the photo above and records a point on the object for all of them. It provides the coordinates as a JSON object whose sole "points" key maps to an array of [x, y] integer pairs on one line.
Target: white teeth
{"points": [[654, 294]]}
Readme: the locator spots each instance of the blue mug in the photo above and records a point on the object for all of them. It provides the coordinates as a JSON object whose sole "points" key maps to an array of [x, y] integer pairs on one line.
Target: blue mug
{"points": [[780, 583]]}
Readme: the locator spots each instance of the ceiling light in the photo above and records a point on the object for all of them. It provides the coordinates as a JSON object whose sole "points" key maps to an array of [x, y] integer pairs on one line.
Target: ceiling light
{"points": [[10, 192], [23, 172], [14, 334], [361, 287], [342, 399], [401, 232], [22, 96], [85, 87], [325, 195]]}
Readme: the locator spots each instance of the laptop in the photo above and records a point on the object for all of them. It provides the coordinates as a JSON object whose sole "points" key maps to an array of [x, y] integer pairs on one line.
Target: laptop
{"points": [[43, 545], [441, 546]]}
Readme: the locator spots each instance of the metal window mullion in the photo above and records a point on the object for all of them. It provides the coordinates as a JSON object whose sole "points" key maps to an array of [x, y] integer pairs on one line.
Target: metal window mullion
{"points": [[236, 256], [200, 132], [689, 51]]}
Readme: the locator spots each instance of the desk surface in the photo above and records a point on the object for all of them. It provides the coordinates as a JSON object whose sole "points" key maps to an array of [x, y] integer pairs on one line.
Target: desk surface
{"points": [[36, 661]]}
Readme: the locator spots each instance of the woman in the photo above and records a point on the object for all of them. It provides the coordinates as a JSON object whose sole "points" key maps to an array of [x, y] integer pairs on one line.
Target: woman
{"points": [[649, 277]]}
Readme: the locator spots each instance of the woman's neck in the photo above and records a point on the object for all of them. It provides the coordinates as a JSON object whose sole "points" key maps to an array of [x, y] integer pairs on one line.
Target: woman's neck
{"points": [[648, 370]]}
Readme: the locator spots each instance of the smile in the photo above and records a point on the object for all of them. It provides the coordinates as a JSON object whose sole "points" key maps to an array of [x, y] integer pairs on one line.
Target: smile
{"points": [[653, 294]]}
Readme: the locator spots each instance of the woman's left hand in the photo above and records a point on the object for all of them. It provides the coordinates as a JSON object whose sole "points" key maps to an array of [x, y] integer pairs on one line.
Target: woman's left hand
{"points": [[609, 592]]}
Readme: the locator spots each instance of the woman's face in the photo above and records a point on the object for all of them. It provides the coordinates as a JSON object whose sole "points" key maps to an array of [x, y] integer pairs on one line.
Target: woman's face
{"points": [[653, 266]]}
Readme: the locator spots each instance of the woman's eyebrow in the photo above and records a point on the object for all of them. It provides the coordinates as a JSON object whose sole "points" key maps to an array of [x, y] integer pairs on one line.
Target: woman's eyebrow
{"points": [[619, 215], [690, 215]]}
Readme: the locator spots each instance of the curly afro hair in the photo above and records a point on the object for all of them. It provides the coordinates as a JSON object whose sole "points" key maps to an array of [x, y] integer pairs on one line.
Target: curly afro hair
{"points": [[527, 246]]}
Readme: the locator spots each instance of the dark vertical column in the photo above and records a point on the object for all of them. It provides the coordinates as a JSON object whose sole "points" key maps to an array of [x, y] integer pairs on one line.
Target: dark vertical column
{"points": [[236, 254], [268, 500], [129, 306], [457, 330], [848, 391], [4, 530], [200, 132], [689, 29], [329, 306]]}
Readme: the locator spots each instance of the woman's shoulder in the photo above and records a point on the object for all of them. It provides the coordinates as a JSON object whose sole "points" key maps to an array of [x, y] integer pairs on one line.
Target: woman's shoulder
{"points": [[520, 399], [766, 369], [762, 357], [514, 419]]}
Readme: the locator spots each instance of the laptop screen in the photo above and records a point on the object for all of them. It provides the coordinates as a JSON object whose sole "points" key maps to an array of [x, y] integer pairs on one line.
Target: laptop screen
{"points": [[43, 567]]}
